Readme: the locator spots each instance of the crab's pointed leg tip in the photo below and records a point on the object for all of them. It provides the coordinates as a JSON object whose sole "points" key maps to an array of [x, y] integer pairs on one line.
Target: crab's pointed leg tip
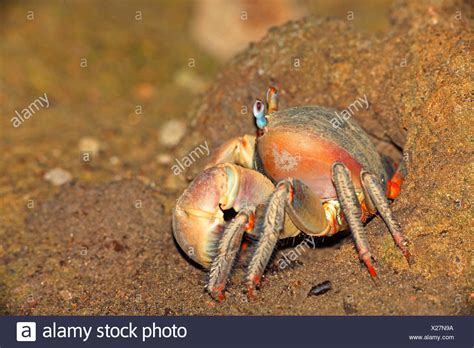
{"points": [[252, 287], [370, 267], [409, 257], [372, 272], [251, 292], [217, 295], [406, 252]]}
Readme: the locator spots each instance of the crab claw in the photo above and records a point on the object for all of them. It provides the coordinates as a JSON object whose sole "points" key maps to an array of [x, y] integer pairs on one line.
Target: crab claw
{"points": [[393, 185], [198, 219], [239, 150]]}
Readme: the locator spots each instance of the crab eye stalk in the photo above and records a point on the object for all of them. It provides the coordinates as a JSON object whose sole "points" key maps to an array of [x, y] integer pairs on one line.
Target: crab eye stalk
{"points": [[272, 100], [259, 114]]}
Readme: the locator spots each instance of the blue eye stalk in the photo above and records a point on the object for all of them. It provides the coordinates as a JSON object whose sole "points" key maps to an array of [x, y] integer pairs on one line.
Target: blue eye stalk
{"points": [[271, 106], [259, 114]]}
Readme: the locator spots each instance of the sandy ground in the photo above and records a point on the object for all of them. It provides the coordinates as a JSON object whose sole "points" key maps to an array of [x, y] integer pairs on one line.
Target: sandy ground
{"points": [[102, 243]]}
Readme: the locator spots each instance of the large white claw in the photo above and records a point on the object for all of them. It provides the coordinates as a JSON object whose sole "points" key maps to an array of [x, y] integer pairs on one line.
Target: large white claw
{"points": [[198, 219]]}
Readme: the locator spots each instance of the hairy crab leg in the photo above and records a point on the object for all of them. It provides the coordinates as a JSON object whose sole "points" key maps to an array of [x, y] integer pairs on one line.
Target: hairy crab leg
{"points": [[274, 218], [375, 191], [306, 213], [350, 206], [369, 203], [228, 250]]}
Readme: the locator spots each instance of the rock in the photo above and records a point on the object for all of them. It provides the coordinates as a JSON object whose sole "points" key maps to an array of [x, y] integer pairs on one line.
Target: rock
{"points": [[172, 132], [89, 145], [58, 176]]}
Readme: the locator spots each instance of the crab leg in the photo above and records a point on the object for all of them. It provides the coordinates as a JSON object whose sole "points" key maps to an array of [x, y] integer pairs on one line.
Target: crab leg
{"points": [[306, 213], [274, 216], [375, 191], [369, 203], [350, 206], [228, 249]]}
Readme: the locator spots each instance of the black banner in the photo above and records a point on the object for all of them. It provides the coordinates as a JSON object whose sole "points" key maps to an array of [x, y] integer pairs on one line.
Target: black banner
{"points": [[439, 331]]}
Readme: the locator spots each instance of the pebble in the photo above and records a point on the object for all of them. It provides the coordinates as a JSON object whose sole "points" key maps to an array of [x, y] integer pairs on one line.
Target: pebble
{"points": [[89, 145], [320, 289], [172, 132], [58, 176], [163, 158]]}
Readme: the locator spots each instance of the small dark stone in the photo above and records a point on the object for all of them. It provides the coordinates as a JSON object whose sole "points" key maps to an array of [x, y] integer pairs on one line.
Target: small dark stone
{"points": [[117, 246], [320, 289]]}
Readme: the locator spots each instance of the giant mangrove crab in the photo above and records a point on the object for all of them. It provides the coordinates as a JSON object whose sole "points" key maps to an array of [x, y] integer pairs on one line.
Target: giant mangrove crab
{"points": [[300, 174]]}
